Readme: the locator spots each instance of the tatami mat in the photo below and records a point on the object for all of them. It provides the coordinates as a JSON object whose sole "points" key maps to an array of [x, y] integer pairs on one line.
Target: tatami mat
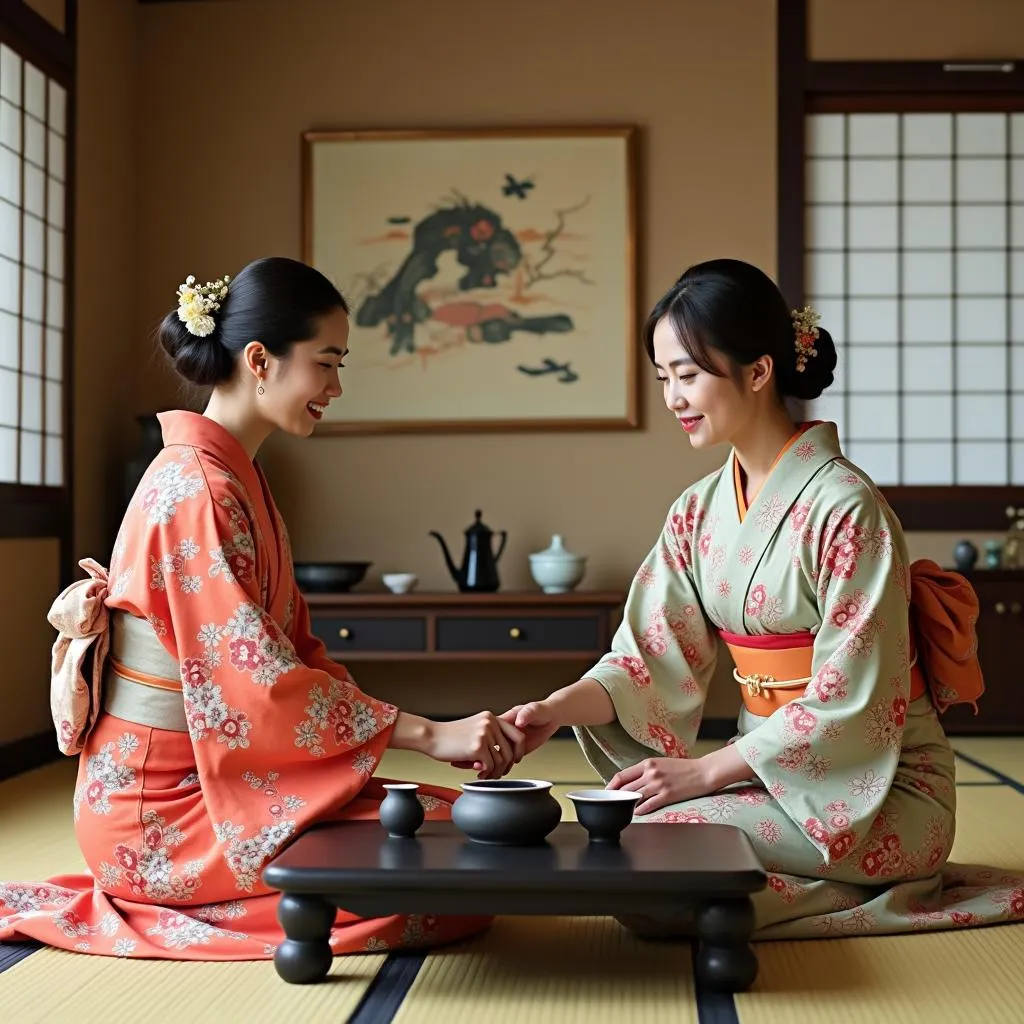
{"points": [[971, 774], [990, 830], [558, 970], [37, 830], [1004, 754], [535, 970], [934, 978], [53, 987]]}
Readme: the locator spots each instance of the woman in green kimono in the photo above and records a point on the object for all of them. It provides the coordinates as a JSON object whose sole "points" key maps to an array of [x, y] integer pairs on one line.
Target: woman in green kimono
{"points": [[840, 774]]}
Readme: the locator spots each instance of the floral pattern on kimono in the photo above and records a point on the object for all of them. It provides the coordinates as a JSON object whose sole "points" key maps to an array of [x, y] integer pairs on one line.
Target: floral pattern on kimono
{"points": [[852, 783], [177, 827]]}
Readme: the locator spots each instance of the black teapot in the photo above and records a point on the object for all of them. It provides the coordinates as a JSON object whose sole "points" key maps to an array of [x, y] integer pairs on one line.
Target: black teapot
{"points": [[479, 570]]}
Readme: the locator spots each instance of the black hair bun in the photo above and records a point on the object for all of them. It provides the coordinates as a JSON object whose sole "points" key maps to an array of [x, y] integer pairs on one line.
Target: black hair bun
{"points": [[817, 374], [203, 361]]}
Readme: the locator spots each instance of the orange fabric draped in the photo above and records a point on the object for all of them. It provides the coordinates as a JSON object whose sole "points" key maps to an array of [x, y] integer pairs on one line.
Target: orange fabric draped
{"points": [[943, 612]]}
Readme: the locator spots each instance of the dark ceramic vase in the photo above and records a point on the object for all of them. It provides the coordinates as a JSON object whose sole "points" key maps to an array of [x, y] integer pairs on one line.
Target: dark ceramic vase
{"points": [[506, 812], [401, 812], [965, 555]]}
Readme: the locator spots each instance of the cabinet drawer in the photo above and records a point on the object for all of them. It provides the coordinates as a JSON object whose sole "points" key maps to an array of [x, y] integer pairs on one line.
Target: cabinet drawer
{"points": [[511, 633], [354, 633]]}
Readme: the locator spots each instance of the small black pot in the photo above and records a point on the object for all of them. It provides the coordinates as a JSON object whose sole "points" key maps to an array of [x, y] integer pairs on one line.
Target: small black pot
{"points": [[506, 812]]}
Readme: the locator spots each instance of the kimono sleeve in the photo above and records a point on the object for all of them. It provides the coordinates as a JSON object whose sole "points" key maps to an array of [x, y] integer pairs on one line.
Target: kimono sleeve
{"points": [[657, 672], [260, 719], [829, 757], [308, 646]]}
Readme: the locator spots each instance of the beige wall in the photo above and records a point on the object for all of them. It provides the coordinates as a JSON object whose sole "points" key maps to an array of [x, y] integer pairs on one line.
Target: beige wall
{"points": [[915, 29], [32, 571], [191, 165]]}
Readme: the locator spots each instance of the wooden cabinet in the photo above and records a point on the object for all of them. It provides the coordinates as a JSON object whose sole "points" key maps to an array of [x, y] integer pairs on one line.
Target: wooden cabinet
{"points": [[514, 627], [453, 627], [1000, 645]]}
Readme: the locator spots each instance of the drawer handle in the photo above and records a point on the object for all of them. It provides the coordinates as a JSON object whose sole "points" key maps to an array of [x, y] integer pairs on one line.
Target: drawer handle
{"points": [[344, 632], [1000, 608], [515, 632]]}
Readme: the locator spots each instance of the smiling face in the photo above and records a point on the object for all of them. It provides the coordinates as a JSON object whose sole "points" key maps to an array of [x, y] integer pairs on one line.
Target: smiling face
{"points": [[711, 409], [299, 386]]}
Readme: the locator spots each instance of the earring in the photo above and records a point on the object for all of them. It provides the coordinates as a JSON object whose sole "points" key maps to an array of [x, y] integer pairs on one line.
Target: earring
{"points": [[260, 390]]}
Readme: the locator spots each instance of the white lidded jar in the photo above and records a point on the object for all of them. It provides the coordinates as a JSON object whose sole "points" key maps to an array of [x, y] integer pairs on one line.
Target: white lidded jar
{"points": [[555, 570]]}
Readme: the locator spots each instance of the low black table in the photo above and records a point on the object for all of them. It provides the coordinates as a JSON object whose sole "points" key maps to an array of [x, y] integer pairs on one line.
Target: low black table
{"points": [[657, 871]]}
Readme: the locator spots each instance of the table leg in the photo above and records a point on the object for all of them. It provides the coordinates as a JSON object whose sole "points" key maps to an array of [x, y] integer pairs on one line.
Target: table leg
{"points": [[305, 955], [725, 960]]}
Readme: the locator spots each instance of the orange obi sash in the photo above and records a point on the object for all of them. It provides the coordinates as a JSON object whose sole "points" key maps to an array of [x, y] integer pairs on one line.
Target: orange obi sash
{"points": [[774, 670]]}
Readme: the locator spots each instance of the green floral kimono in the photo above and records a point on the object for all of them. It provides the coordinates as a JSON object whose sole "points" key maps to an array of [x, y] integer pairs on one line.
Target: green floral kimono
{"points": [[853, 809]]}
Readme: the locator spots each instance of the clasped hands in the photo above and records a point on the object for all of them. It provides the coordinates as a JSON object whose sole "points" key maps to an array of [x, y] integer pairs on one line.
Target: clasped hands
{"points": [[502, 741], [492, 744]]}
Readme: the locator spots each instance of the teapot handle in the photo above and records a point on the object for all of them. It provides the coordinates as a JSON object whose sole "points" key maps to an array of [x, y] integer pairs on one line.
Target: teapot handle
{"points": [[501, 546]]}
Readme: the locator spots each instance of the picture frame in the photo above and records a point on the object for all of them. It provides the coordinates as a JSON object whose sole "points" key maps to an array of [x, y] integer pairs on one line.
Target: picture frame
{"points": [[491, 276]]}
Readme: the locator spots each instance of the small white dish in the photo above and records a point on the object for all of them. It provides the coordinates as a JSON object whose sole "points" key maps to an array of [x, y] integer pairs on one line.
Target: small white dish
{"points": [[400, 582]]}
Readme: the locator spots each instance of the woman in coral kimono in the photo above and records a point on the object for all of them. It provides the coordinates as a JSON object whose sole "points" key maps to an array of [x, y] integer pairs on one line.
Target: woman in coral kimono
{"points": [[221, 729], [840, 774]]}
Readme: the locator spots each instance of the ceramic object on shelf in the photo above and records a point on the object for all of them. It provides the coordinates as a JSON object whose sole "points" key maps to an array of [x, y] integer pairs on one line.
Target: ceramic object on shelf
{"points": [[479, 570], [965, 556], [604, 813], [506, 812], [556, 570], [401, 812], [329, 577], [400, 582], [993, 554]]}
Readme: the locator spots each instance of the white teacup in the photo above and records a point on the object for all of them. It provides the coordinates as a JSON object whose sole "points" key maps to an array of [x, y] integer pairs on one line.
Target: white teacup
{"points": [[400, 582]]}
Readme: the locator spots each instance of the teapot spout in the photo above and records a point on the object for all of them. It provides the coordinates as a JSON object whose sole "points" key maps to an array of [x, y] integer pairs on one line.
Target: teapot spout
{"points": [[456, 574]]}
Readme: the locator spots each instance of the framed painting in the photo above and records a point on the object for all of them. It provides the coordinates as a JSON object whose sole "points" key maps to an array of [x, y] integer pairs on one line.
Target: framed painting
{"points": [[491, 276]]}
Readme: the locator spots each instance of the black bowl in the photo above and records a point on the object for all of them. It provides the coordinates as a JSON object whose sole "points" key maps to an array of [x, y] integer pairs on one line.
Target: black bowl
{"points": [[329, 577], [506, 812]]}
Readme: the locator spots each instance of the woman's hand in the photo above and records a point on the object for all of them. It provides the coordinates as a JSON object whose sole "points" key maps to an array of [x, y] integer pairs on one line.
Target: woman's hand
{"points": [[482, 742], [538, 721], [664, 780]]}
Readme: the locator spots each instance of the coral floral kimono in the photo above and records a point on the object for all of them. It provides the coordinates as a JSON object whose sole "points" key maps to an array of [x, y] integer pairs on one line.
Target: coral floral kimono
{"points": [[177, 823]]}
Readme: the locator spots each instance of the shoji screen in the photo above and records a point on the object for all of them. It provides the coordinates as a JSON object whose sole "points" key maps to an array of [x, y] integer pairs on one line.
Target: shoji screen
{"points": [[914, 256]]}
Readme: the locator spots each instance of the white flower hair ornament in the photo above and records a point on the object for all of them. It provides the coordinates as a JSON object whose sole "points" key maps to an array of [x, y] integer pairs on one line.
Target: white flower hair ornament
{"points": [[196, 303]]}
